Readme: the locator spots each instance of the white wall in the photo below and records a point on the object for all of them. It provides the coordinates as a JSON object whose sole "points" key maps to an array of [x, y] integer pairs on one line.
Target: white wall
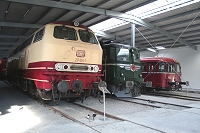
{"points": [[189, 60]]}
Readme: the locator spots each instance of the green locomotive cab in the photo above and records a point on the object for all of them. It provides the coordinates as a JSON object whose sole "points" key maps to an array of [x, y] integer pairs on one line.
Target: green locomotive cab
{"points": [[122, 69]]}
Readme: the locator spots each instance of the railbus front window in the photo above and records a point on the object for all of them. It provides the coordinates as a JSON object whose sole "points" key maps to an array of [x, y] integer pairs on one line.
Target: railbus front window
{"points": [[162, 67], [67, 33], [170, 67], [122, 54], [178, 68], [87, 36]]}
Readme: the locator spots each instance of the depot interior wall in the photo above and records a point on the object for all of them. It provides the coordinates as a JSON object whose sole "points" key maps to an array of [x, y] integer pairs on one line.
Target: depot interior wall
{"points": [[189, 60]]}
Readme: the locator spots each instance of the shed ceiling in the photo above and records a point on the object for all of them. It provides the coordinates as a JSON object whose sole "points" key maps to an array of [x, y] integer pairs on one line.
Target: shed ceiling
{"points": [[176, 28]]}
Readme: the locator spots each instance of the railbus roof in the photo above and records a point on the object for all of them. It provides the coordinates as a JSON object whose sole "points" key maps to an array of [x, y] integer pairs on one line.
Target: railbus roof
{"points": [[158, 59]]}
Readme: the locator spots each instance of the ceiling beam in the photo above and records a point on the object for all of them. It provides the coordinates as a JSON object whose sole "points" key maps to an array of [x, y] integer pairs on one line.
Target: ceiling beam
{"points": [[12, 24], [12, 36], [115, 14], [9, 43], [6, 49]]}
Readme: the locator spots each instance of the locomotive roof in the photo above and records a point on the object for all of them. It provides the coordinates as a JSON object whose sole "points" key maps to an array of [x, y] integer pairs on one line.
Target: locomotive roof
{"points": [[70, 24], [158, 59], [118, 45]]}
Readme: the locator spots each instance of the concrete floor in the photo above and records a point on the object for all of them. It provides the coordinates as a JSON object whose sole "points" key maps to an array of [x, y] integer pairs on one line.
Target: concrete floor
{"points": [[21, 114]]}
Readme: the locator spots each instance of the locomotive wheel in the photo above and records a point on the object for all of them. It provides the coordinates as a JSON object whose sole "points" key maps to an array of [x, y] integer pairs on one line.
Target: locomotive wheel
{"points": [[32, 89]]}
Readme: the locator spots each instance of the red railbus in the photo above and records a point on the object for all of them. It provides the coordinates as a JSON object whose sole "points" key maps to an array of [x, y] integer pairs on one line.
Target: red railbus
{"points": [[163, 72], [3, 69]]}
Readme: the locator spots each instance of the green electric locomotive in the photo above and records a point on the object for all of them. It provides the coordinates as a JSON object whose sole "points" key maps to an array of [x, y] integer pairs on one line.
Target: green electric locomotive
{"points": [[122, 69]]}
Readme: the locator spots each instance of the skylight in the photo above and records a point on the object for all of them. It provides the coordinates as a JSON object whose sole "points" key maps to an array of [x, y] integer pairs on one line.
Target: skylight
{"points": [[149, 10]]}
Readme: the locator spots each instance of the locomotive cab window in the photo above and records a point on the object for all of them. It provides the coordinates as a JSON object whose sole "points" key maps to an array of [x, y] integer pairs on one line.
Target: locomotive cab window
{"points": [[38, 35], [122, 54], [87, 36], [136, 55], [67, 33]]}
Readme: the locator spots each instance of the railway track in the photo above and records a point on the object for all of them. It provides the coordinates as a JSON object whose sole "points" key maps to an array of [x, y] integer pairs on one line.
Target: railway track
{"points": [[153, 103], [59, 109], [178, 96], [97, 112], [118, 118]]}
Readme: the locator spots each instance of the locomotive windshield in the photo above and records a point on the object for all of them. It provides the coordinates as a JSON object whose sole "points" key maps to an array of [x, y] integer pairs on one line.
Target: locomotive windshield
{"points": [[87, 36], [67, 33], [122, 54]]}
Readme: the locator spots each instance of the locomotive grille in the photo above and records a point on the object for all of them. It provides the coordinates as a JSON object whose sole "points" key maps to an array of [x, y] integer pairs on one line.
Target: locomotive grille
{"points": [[74, 67]]}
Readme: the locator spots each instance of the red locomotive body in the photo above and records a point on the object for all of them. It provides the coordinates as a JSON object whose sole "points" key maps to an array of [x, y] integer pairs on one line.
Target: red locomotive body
{"points": [[3, 69], [164, 73]]}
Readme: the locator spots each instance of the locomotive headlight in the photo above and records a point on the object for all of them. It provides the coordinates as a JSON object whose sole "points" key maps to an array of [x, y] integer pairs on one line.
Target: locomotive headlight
{"points": [[58, 67], [96, 68], [140, 75], [121, 74], [169, 77]]}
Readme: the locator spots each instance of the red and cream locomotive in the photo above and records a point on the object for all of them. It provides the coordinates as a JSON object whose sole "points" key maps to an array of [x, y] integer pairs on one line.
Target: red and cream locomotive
{"points": [[3, 69], [164, 73], [60, 59]]}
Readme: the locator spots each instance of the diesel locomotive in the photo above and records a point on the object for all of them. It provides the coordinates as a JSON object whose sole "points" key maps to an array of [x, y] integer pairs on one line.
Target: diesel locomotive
{"points": [[61, 59]]}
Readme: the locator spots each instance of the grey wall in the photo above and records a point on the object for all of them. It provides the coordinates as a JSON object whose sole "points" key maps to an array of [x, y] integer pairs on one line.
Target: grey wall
{"points": [[189, 60]]}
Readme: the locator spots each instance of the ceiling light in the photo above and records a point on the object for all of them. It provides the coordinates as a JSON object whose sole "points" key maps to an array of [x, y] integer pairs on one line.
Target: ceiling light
{"points": [[152, 50], [160, 47]]}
